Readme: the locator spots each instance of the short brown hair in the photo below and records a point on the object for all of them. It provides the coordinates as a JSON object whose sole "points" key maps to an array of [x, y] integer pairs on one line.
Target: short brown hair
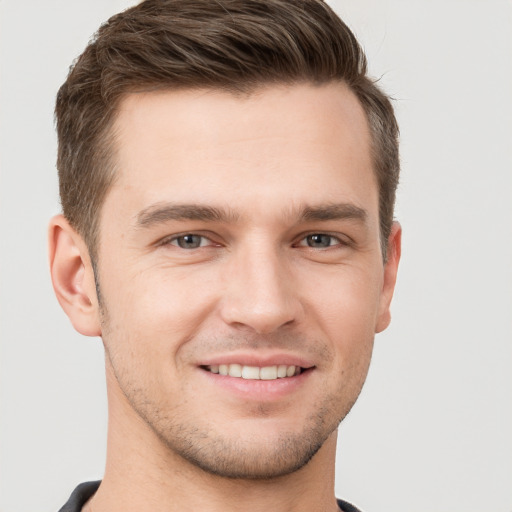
{"points": [[234, 45]]}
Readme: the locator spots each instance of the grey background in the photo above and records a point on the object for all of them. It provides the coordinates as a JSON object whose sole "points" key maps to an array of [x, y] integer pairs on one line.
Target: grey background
{"points": [[432, 429]]}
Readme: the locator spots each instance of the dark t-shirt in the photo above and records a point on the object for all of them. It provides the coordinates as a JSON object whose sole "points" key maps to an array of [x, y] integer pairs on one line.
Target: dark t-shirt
{"points": [[84, 491]]}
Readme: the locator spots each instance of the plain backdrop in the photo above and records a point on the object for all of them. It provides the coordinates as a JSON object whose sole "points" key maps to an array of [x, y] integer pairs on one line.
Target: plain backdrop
{"points": [[432, 429]]}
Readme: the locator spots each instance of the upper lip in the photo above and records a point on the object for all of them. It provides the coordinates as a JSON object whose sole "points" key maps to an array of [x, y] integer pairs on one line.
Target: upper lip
{"points": [[260, 360]]}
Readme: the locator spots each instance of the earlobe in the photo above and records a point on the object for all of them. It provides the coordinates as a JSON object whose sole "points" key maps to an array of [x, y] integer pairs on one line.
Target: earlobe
{"points": [[72, 277], [390, 273]]}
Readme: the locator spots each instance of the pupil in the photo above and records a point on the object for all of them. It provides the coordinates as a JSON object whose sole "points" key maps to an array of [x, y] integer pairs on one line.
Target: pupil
{"points": [[189, 241], [319, 240]]}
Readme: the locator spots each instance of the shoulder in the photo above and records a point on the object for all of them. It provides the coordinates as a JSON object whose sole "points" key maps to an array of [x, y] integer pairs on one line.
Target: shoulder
{"points": [[347, 507], [80, 496]]}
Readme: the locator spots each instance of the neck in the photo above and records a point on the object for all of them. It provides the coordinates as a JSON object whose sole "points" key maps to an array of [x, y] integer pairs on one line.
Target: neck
{"points": [[143, 474]]}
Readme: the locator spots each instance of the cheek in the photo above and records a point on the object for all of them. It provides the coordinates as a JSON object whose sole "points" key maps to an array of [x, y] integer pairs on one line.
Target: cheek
{"points": [[347, 301], [345, 309], [158, 308]]}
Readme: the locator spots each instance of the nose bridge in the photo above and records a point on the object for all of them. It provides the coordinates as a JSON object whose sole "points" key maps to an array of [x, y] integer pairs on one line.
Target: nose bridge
{"points": [[260, 291]]}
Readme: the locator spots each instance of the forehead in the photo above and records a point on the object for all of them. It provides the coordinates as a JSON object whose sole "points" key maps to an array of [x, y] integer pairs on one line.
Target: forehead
{"points": [[284, 145]]}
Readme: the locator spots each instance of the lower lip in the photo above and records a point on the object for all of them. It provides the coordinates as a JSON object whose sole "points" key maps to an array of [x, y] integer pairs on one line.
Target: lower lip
{"points": [[259, 390]]}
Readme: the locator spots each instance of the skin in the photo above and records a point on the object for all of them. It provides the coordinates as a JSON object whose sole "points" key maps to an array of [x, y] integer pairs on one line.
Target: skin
{"points": [[255, 179]]}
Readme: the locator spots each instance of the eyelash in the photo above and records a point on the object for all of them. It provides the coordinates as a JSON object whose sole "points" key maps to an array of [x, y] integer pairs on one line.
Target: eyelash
{"points": [[174, 240], [302, 242], [338, 241]]}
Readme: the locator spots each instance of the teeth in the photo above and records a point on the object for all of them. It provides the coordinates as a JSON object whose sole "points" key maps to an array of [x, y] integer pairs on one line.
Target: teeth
{"points": [[255, 372], [250, 372], [281, 371], [268, 373], [235, 370]]}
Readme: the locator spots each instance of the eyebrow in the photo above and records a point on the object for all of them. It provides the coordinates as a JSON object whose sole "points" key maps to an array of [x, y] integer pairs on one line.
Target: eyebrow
{"points": [[163, 212], [336, 211], [160, 213]]}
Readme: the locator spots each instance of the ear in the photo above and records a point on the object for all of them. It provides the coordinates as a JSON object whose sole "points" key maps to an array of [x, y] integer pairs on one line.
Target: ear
{"points": [[72, 277], [390, 272]]}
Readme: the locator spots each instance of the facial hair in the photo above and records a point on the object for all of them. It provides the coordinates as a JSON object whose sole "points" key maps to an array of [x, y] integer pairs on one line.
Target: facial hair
{"points": [[241, 455]]}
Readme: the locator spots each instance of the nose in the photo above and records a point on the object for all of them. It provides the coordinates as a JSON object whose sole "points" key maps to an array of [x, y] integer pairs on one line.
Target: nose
{"points": [[260, 292]]}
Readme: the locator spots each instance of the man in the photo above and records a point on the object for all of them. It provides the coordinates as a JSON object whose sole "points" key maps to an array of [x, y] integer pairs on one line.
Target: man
{"points": [[227, 174]]}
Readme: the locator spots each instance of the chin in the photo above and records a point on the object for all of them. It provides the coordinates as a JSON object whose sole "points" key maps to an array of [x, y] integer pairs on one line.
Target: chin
{"points": [[249, 460], [266, 451]]}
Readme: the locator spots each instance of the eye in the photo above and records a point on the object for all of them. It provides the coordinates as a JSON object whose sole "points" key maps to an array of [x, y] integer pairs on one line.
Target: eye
{"points": [[320, 241], [190, 241]]}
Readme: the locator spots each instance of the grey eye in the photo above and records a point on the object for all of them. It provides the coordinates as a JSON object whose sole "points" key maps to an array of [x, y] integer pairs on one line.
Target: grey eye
{"points": [[190, 241], [320, 240]]}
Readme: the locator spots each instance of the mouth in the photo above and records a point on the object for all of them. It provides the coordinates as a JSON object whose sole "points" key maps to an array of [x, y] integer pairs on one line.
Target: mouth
{"points": [[246, 372]]}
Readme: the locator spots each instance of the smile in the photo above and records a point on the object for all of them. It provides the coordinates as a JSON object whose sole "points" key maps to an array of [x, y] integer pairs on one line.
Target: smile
{"points": [[281, 371]]}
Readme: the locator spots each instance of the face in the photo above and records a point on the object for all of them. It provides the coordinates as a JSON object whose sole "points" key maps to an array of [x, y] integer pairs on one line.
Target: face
{"points": [[240, 272]]}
